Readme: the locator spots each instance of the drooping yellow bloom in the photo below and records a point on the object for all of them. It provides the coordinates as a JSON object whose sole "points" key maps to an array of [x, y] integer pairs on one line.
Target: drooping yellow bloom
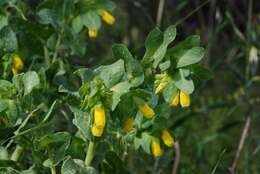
{"points": [[167, 138], [146, 110], [17, 64], [156, 148], [184, 99], [99, 116], [99, 121], [92, 33], [175, 100], [97, 131], [129, 124], [107, 17]]}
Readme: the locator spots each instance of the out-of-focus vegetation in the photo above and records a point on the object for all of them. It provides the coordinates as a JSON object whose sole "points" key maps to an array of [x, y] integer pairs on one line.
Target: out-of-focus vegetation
{"points": [[208, 133]]}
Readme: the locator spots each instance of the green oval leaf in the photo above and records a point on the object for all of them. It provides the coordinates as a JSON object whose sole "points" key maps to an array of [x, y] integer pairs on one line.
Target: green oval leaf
{"points": [[191, 56]]}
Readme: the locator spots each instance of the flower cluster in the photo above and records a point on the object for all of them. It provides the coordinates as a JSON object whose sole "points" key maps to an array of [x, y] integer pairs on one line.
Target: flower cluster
{"points": [[107, 18], [99, 116], [167, 140]]}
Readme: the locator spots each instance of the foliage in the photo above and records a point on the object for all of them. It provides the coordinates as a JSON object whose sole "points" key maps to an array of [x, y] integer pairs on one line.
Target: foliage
{"points": [[62, 111]]}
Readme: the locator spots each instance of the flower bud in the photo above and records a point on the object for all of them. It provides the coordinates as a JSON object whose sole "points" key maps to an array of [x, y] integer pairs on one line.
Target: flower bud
{"points": [[129, 124], [167, 138], [175, 99], [156, 148], [107, 17], [92, 33], [146, 110], [184, 99], [160, 87]]}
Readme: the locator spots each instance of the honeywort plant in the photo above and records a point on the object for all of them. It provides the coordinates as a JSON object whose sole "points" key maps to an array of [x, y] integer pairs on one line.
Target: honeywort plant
{"points": [[117, 107], [130, 100]]}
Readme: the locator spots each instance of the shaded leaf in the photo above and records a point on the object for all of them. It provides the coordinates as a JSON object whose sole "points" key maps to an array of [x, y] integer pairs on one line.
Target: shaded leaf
{"points": [[133, 67], [30, 81], [8, 41], [191, 56], [185, 85], [82, 122], [111, 74]]}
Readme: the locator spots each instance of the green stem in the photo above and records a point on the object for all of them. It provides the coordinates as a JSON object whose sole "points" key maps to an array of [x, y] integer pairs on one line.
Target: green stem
{"points": [[24, 123], [46, 55], [56, 48], [18, 10], [53, 170], [17, 153], [90, 153]]}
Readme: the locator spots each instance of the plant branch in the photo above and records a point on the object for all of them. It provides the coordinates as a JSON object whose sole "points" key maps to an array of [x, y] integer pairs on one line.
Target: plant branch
{"points": [[177, 159], [17, 153], [53, 170], [46, 55], [90, 153], [56, 48], [191, 13], [24, 123], [160, 12], [241, 145]]}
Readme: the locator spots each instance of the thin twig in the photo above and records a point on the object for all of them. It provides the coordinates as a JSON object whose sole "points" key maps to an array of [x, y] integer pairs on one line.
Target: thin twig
{"points": [[192, 12], [155, 166], [160, 12], [241, 145], [219, 159], [177, 158]]}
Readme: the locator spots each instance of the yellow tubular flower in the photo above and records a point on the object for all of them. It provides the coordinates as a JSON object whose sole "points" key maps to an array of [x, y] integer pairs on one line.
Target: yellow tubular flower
{"points": [[107, 17], [146, 110], [99, 116], [175, 100], [167, 138], [129, 124], [92, 33], [97, 131], [17, 63], [184, 99], [156, 148]]}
